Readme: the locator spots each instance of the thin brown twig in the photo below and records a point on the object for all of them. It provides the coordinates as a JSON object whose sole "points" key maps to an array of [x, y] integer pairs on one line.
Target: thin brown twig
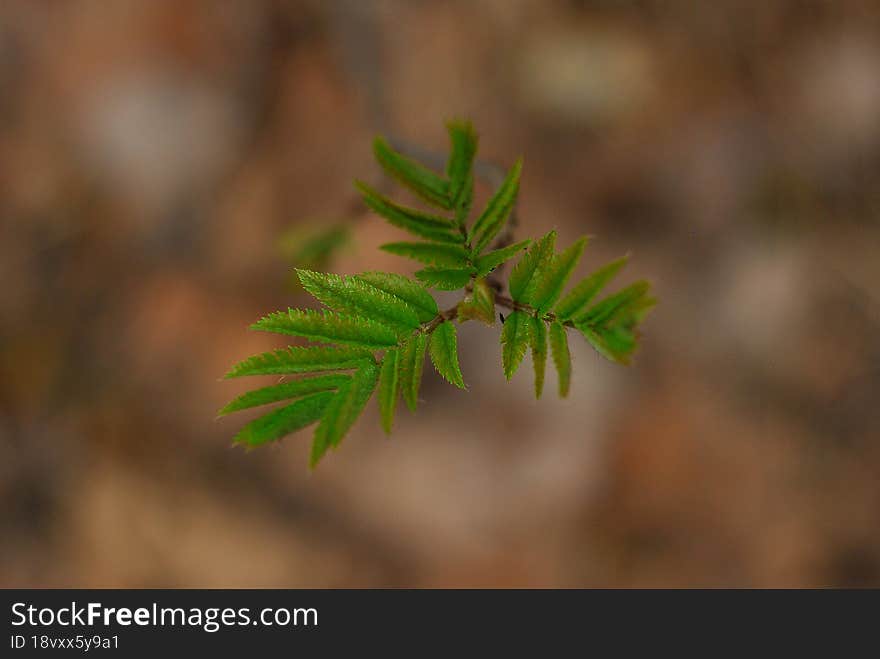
{"points": [[500, 301]]}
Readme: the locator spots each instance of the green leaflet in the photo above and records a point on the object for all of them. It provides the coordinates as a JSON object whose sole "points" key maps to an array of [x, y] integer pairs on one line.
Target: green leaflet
{"points": [[464, 203], [285, 420], [444, 254], [514, 341], [329, 326], [416, 222], [463, 141], [411, 292], [583, 293], [284, 391], [344, 409], [491, 260], [300, 360], [389, 377], [412, 361], [538, 343], [479, 304], [443, 348], [605, 311], [497, 210], [634, 312], [556, 276], [526, 274], [609, 326], [355, 296], [615, 344], [445, 279], [430, 186], [561, 356]]}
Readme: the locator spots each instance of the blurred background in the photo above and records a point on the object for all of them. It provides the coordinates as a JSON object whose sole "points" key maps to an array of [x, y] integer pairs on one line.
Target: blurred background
{"points": [[164, 164]]}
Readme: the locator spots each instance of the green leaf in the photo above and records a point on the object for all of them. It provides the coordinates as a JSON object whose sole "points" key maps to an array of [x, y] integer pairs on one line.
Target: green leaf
{"points": [[479, 304], [344, 409], [445, 279], [527, 274], [464, 203], [300, 359], [416, 222], [491, 260], [285, 420], [443, 349], [561, 356], [634, 312], [497, 210], [583, 293], [514, 341], [389, 379], [411, 292], [538, 343], [412, 361], [329, 326], [556, 276], [430, 186], [284, 391], [444, 254], [615, 344], [464, 141], [607, 309], [355, 296]]}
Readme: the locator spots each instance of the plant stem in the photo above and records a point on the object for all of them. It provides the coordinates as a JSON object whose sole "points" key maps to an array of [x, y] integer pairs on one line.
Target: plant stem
{"points": [[500, 300], [450, 314]]}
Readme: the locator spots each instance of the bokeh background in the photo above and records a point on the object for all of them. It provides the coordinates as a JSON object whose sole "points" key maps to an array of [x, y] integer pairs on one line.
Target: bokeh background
{"points": [[162, 164]]}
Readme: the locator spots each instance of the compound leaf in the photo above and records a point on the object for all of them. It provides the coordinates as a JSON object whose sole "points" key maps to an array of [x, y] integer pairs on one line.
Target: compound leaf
{"points": [[284, 391], [329, 326], [561, 356], [443, 349], [343, 409], [514, 341], [429, 185], [396, 315], [285, 420]]}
